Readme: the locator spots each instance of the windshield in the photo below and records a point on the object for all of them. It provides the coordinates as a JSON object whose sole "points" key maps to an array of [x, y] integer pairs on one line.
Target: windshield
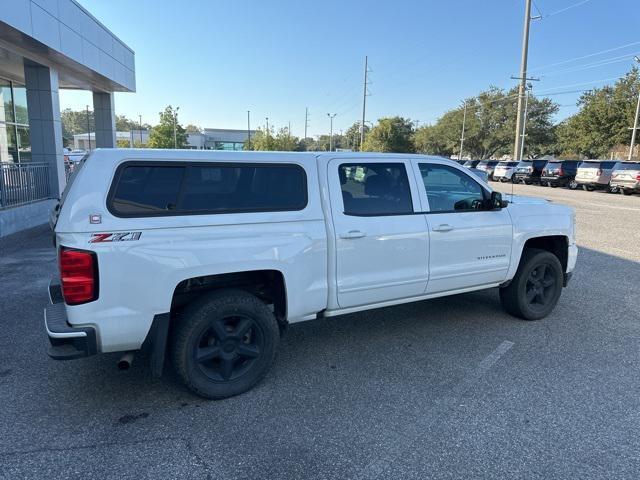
{"points": [[590, 165], [629, 166]]}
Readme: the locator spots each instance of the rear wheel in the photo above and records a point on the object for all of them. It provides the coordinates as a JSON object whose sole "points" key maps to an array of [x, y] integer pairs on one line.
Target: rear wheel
{"points": [[613, 189], [535, 289], [587, 188], [626, 191], [573, 184], [225, 343]]}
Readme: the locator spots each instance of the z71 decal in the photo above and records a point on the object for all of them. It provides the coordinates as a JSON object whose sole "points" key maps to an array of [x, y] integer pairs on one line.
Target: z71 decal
{"points": [[114, 237]]}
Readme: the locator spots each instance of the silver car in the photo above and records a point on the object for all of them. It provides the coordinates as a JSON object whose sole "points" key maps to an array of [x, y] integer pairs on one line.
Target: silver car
{"points": [[594, 174], [626, 177], [504, 171]]}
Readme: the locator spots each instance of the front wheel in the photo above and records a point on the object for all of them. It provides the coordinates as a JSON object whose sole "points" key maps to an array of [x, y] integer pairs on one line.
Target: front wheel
{"points": [[225, 343], [626, 191], [588, 188], [536, 287]]}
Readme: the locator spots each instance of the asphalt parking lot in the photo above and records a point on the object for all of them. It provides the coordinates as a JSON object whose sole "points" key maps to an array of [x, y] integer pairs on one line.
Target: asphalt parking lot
{"points": [[447, 388]]}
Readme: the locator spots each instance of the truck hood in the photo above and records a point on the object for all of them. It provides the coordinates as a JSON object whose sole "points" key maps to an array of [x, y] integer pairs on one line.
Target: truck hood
{"points": [[519, 199]]}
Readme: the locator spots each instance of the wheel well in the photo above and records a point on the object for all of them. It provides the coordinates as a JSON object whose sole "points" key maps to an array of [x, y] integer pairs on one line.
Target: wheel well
{"points": [[267, 285], [556, 244]]}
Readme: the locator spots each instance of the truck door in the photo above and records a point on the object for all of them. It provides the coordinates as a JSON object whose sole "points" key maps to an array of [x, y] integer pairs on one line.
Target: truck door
{"points": [[382, 242], [470, 245]]}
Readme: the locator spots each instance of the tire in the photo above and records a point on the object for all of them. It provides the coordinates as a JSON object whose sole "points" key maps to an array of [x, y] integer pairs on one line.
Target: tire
{"points": [[611, 189], [626, 191], [552, 185], [236, 334], [572, 185], [546, 290], [587, 188]]}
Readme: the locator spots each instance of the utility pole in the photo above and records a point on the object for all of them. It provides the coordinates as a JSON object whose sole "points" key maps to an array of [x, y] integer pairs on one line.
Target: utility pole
{"points": [[267, 119], [524, 121], [464, 121], [331, 130], [249, 128], [635, 122], [289, 130], [306, 120], [364, 99], [88, 128], [140, 123], [175, 128], [523, 78]]}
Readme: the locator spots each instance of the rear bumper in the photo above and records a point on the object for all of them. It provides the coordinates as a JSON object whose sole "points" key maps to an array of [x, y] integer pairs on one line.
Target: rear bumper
{"points": [[626, 184], [555, 180], [67, 342]]}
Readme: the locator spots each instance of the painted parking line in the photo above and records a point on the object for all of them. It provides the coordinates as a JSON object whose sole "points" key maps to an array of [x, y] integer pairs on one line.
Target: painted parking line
{"points": [[408, 441]]}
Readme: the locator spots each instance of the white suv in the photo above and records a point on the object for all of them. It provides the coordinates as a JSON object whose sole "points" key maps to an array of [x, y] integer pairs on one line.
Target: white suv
{"points": [[206, 256]]}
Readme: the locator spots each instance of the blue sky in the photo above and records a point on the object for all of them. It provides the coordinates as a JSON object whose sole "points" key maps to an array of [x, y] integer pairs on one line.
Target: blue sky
{"points": [[218, 59]]}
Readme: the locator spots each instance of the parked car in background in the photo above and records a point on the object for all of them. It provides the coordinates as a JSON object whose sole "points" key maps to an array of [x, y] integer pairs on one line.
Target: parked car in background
{"points": [[504, 171], [626, 177], [461, 162], [488, 166], [596, 174], [529, 171], [481, 174], [471, 163], [560, 174]]}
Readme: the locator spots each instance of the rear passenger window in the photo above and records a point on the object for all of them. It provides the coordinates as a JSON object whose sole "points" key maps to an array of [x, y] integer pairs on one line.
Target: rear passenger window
{"points": [[147, 190], [207, 188], [244, 188], [372, 189]]}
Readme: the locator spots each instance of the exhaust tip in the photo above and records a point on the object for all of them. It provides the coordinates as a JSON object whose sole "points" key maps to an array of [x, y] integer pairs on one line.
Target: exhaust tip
{"points": [[125, 361]]}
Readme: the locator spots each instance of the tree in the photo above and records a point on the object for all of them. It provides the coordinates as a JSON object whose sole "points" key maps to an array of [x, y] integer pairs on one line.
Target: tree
{"points": [[603, 120], [394, 134], [282, 141], [74, 123], [352, 136], [124, 124], [490, 127], [191, 128], [162, 135]]}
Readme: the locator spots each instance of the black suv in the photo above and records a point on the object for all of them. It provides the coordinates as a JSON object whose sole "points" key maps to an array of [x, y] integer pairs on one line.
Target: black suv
{"points": [[471, 163], [529, 171], [560, 174]]}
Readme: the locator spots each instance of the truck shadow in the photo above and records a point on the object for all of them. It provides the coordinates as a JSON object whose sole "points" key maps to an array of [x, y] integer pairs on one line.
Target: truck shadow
{"points": [[434, 341]]}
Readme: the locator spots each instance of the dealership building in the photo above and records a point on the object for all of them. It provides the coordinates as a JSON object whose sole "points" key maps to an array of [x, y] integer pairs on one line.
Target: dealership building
{"points": [[47, 45]]}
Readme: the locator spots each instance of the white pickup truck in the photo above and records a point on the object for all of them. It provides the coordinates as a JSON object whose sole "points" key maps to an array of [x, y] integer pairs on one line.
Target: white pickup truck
{"points": [[206, 256]]}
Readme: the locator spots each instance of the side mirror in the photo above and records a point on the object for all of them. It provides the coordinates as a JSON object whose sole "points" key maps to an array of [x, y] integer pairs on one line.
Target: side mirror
{"points": [[496, 202]]}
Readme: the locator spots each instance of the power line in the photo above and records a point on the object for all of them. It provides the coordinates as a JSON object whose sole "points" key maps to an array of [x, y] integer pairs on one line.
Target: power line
{"points": [[562, 10], [596, 64], [541, 67]]}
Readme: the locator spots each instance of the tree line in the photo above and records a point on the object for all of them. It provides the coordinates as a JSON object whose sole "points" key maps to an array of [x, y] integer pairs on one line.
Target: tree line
{"points": [[599, 128]]}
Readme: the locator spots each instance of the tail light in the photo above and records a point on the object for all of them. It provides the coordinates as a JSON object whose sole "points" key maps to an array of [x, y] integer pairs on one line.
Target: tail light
{"points": [[560, 171], [78, 276], [638, 177]]}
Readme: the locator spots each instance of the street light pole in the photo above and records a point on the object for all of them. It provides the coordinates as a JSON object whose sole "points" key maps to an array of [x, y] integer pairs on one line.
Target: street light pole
{"points": [[175, 128], [464, 121], [249, 128], [88, 128], [635, 122], [331, 130], [267, 119], [140, 117]]}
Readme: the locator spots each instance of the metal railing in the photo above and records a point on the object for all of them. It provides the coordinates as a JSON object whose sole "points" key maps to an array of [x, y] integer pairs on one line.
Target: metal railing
{"points": [[22, 183]]}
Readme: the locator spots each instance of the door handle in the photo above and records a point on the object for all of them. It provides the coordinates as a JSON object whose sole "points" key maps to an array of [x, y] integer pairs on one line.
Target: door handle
{"points": [[353, 234], [443, 228]]}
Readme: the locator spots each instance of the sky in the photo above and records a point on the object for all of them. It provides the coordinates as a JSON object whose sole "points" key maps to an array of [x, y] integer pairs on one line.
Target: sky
{"points": [[218, 59]]}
